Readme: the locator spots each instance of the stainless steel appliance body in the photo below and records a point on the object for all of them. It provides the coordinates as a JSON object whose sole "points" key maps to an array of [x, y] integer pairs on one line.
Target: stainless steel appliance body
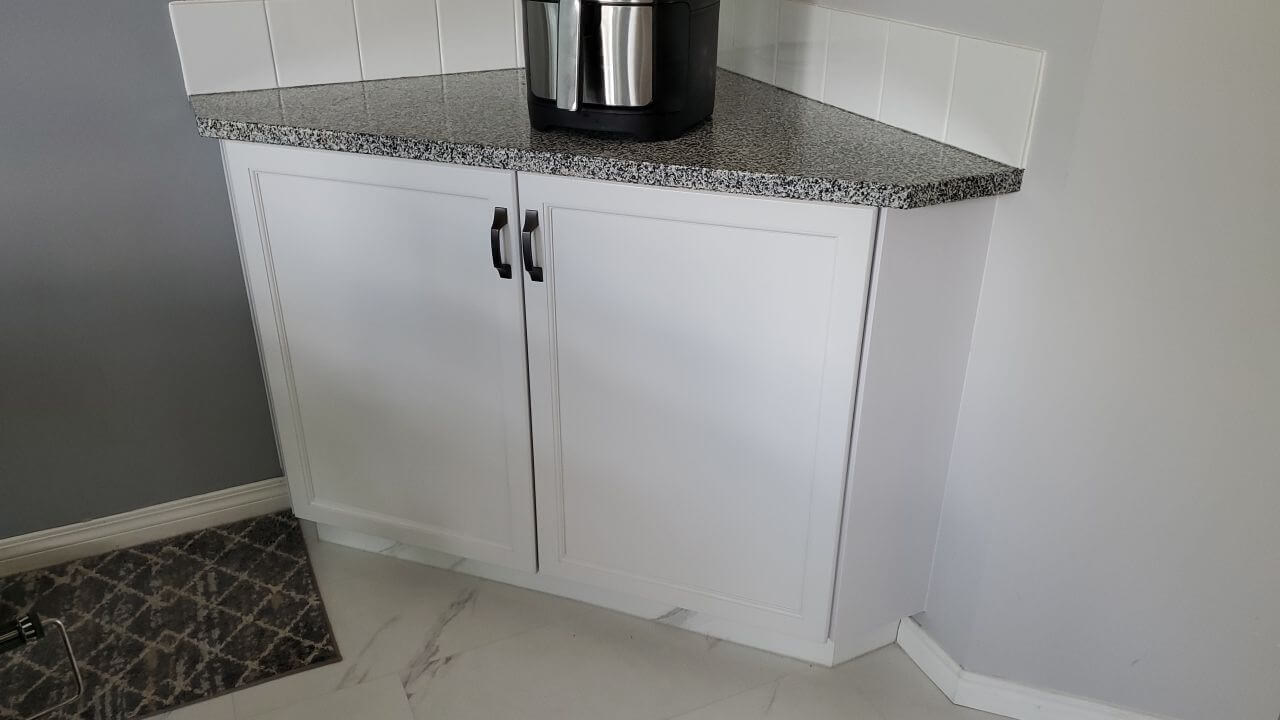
{"points": [[641, 67]]}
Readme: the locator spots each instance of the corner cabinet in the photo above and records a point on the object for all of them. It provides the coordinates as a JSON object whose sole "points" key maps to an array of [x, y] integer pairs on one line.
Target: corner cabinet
{"points": [[586, 386]]}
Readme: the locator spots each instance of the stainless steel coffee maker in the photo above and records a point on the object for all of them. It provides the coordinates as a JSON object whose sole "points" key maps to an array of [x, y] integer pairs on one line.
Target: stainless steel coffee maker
{"points": [[646, 68]]}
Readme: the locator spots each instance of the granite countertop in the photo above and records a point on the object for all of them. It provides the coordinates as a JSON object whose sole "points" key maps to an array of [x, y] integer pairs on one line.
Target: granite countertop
{"points": [[762, 140]]}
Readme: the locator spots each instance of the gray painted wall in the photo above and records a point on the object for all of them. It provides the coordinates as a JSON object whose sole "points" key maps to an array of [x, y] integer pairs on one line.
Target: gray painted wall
{"points": [[128, 371], [1110, 528]]}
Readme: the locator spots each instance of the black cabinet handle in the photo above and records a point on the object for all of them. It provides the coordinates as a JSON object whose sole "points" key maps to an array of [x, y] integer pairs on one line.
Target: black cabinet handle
{"points": [[526, 245], [495, 242]]}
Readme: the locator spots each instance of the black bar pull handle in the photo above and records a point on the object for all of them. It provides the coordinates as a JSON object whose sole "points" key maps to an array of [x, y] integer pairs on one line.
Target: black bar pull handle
{"points": [[495, 242], [526, 245]]}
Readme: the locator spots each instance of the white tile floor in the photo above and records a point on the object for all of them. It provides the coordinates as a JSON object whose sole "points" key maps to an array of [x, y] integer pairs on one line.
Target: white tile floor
{"points": [[420, 643]]}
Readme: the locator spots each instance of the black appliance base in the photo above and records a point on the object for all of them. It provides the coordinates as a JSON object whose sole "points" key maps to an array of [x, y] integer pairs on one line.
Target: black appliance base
{"points": [[641, 126]]}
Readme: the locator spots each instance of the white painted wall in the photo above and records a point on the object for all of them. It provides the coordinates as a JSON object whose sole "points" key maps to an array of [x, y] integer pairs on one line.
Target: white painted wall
{"points": [[1111, 527]]}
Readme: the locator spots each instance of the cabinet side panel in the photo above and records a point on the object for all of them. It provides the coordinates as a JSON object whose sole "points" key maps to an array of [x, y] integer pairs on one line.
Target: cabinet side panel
{"points": [[928, 275]]}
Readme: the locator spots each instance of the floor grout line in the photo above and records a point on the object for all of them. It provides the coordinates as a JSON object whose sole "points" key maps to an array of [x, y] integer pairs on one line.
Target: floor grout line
{"points": [[753, 688]]}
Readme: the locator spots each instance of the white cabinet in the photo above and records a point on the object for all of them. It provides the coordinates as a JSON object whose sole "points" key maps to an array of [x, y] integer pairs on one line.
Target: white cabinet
{"points": [[692, 365], [394, 351], [731, 412]]}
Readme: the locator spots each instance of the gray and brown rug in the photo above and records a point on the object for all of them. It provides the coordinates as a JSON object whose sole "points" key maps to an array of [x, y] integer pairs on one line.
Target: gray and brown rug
{"points": [[169, 623]]}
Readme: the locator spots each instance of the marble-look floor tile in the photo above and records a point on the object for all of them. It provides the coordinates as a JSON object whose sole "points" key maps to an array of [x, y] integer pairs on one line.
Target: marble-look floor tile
{"points": [[288, 690], [382, 699], [463, 648], [793, 697], [884, 685], [394, 617], [596, 665], [221, 708], [892, 683]]}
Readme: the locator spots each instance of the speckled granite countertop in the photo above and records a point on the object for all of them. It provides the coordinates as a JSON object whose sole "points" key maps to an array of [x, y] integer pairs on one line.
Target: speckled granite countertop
{"points": [[761, 141]]}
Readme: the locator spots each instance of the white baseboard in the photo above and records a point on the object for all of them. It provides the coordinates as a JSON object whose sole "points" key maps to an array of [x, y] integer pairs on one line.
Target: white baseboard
{"points": [[1001, 697], [71, 542]]}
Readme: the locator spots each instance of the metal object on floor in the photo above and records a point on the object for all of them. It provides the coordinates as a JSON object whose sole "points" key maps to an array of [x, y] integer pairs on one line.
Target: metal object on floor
{"points": [[29, 629]]}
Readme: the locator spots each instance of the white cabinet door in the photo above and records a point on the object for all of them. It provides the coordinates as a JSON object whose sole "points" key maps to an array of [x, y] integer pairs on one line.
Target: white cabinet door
{"points": [[693, 359], [394, 351]]}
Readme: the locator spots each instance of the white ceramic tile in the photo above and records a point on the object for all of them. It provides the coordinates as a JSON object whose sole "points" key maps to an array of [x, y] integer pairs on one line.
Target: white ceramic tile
{"points": [[993, 99], [792, 698], [724, 41], [314, 41], [755, 39], [288, 690], [382, 699], [919, 65], [390, 615], [599, 665], [223, 45], [519, 11], [884, 685], [216, 709], [398, 38], [476, 35], [855, 62], [802, 47], [505, 652]]}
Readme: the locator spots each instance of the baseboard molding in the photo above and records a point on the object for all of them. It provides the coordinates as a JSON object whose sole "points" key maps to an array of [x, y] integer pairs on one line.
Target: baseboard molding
{"points": [[71, 542], [1001, 697]]}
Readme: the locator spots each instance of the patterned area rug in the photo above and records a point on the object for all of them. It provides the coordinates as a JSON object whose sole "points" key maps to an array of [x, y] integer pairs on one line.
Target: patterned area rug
{"points": [[169, 623]]}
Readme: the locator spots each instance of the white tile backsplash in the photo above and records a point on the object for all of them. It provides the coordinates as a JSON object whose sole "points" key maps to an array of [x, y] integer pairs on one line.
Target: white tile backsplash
{"points": [[519, 10], [223, 45], [724, 42], [477, 35], [314, 41], [855, 63], [994, 99], [972, 93], [398, 38], [918, 68], [755, 39], [802, 48]]}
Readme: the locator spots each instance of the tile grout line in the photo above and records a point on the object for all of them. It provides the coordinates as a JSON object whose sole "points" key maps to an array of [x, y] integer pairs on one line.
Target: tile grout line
{"points": [[826, 52], [884, 68], [1035, 111], [355, 27], [271, 43], [439, 35], [826, 58], [951, 89], [753, 688]]}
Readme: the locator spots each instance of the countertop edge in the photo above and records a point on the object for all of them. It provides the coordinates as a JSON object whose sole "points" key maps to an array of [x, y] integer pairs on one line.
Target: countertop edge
{"points": [[789, 187]]}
